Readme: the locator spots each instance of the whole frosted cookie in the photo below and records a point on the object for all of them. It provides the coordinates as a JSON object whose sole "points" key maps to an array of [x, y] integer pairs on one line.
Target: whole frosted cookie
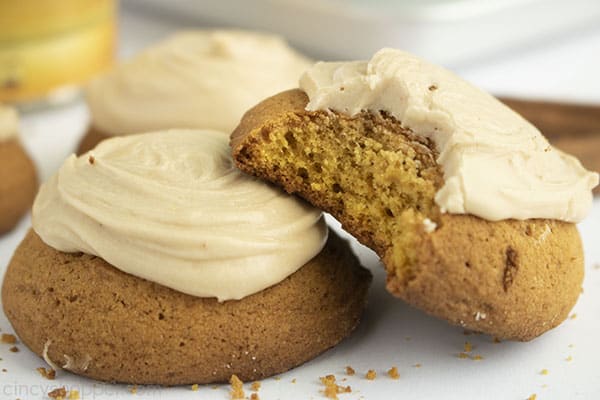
{"points": [[18, 179], [193, 79], [153, 260], [469, 207]]}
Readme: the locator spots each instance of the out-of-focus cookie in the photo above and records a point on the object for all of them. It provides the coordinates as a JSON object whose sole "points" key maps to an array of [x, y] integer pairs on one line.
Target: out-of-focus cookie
{"points": [[18, 179]]}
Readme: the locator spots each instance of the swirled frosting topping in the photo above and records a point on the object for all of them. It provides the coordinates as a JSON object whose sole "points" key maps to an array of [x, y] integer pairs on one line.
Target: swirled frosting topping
{"points": [[496, 165], [170, 207], [9, 123], [194, 79]]}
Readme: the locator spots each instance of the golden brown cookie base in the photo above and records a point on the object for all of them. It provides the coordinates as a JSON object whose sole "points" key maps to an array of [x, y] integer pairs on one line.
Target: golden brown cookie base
{"points": [[18, 184], [92, 137], [511, 279], [112, 326]]}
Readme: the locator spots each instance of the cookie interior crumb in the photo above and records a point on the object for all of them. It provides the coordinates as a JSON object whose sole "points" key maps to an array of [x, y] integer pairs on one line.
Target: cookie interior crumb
{"points": [[371, 375], [350, 371], [332, 389], [237, 388], [393, 373]]}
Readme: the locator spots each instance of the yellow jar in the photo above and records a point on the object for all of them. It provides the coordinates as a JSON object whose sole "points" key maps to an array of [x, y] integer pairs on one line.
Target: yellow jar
{"points": [[48, 45]]}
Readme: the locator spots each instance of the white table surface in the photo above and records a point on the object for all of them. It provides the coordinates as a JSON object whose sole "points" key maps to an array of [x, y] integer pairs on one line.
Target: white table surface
{"points": [[391, 334]]}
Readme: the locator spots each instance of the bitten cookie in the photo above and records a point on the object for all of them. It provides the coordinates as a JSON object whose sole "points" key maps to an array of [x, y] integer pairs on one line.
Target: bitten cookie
{"points": [[152, 260], [204, 79], [18, 179], [510, 278]]}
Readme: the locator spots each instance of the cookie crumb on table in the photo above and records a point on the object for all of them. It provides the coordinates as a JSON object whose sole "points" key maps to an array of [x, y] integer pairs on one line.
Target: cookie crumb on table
{"points": [[58, 393], [477, 357], [195, 387], [8, 338], [133, 389], [463, 355], [569, 358], [255, 387], [532, 397], [393, 373], [350, 371], [254, 396], [237, 388], [544, 372], [468, 347], [47, 373], [332, 389], [573, 316], [14, 349], [74, 395], [417, 365], [371, 375]]}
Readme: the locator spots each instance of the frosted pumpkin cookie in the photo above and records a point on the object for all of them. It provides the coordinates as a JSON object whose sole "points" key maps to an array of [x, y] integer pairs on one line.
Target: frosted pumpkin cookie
{"points": [[193, 79], [18, 179], [153, 260], [470, 209]]}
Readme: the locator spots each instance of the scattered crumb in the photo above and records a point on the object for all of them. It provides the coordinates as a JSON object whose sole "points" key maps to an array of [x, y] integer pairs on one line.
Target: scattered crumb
{"points": [[294, 380], [8, 338], [496, 340], [544, 371], [573, 316], [254, 396], [332, 389], [59, 393], [14, 349], [532, 397], [569, 358], [255, 387], [4, 370], [371, 375], [277, 378], [195, 387], [237, 388], [468, 347], [214, 387], [47, 373], [350, 371], [432, 88], [133, 389], [74, 395], [91, 160], [393, 373], [477, 357], [417, 365], [463, 355]]}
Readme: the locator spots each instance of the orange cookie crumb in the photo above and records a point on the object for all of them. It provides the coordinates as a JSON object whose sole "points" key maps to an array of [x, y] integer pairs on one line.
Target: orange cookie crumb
{"points": [[237, 388], [350, 371], [477, 357], [255, 387], [47, 373], [532, 397], [393, 373], [254, 396], [417, 365], [58, 393], [14, 349], [332, 389], [371, 375], [468, 347], [8, 338]]}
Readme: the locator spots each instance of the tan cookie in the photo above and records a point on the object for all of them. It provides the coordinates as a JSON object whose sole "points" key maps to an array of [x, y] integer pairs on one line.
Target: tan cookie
{"points": [[512, 279], [100, 322], [18, 183]]}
